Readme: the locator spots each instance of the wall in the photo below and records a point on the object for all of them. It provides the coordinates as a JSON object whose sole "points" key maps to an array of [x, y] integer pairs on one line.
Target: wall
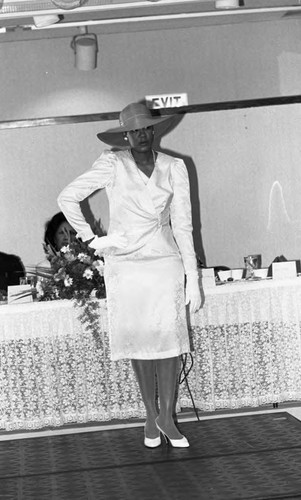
{"points": [[237, 156], [249, 181]]}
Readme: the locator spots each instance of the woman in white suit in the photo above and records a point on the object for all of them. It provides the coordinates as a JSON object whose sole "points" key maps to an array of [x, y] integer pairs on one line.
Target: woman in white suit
{"points": [[148, 251]]}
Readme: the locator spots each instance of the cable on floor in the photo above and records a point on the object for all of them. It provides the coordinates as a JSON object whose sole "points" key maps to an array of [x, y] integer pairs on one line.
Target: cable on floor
{"points": [[183, 377]]}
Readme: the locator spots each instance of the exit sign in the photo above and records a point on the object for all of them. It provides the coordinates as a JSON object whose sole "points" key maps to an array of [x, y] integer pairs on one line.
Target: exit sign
{"points": [[166, 101]]}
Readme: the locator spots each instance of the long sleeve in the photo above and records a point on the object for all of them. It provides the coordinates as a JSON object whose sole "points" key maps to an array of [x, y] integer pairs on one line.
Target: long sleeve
{"points": [[100, 175], [180, 213]]}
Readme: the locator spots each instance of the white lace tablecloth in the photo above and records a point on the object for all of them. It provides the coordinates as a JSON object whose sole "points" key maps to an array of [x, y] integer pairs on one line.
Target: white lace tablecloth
{"points": [[53, 373], [247, 345], [246, 350]]}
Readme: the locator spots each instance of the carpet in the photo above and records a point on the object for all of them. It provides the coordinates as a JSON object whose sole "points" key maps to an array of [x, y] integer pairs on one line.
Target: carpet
{"points": [[254, 457]]}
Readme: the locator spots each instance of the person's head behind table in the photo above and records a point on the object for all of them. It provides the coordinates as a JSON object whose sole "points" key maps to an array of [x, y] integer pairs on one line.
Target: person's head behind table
{"points": [[58, 232], [11, 270]]}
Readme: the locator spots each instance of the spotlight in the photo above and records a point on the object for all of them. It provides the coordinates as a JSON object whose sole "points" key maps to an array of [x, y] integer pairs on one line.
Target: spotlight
{"points": [[43, 21], [226, 4], [85, 48]]}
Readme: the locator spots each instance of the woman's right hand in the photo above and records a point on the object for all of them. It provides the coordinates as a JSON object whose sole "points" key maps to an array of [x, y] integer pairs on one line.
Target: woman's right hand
{"points": [[116, 240]]}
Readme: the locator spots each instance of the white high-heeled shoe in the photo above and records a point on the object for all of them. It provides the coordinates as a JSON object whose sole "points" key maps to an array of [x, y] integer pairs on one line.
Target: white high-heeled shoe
{"points": [[152, 443], [176, 443]]}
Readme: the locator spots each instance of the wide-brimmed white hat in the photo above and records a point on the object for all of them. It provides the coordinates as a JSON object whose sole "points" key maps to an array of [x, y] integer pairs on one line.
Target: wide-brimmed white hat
{"points": [[133, 117]]}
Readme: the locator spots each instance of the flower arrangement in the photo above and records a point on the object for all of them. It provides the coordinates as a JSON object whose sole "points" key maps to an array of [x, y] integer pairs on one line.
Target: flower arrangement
{"points": [[75, 273]]}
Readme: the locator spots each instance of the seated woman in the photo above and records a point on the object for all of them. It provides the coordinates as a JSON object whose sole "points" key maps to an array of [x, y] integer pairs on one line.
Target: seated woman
{"points": [[58, 233]]}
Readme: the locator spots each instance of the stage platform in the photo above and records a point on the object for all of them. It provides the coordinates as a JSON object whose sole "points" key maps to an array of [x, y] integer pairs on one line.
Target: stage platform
{"points": [[245, 456]]}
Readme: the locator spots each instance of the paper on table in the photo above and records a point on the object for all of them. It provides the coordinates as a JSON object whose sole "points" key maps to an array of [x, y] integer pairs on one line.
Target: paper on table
{"points": [[18, 294], [283, 270]]}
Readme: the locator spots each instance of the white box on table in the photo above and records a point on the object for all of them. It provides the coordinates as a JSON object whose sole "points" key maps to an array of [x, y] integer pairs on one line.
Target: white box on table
{"points": [[284, 270]]}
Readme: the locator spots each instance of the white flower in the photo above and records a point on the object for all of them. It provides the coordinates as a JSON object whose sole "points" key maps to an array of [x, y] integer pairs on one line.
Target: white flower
{"points": [[88, 274], [39, 287], [99, 265], [68, 281], [83, 257], [65, 249]]}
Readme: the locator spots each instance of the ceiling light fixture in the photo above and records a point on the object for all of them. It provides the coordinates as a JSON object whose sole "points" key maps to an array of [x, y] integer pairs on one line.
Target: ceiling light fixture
{"points": [[85, 49]]}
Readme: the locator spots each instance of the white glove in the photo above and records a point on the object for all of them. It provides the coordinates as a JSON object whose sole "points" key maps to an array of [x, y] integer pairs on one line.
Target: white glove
{"points": [[113, 240], [193, 293]]}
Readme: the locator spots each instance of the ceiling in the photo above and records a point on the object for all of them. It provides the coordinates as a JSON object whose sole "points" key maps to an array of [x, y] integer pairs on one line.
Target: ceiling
{"points": [[117, 16]]}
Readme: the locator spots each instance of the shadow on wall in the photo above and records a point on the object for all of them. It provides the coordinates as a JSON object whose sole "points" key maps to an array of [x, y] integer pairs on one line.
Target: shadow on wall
{"points": [[195, 202], [194, 191]]}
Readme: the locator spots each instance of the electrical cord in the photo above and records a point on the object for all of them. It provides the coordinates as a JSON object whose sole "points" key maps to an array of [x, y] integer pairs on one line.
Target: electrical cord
{"points": [[183, 377]]}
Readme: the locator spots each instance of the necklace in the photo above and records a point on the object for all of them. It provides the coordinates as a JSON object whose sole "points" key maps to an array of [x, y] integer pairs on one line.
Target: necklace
{"points": [[140, 170]]}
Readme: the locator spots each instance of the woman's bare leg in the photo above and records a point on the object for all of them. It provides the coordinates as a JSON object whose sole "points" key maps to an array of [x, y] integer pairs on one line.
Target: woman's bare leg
{"points": [[167, 371], [145, 371]]}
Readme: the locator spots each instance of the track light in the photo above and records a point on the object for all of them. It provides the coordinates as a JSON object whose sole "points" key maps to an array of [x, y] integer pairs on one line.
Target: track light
{"points": [[226, 4], [85, 49]]}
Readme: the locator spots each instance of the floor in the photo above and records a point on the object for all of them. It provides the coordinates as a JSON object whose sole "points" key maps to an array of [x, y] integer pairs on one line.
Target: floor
{"points": [[242, 455]]}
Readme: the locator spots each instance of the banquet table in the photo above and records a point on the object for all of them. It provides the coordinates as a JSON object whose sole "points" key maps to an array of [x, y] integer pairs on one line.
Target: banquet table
{"points": [[246, 351]]}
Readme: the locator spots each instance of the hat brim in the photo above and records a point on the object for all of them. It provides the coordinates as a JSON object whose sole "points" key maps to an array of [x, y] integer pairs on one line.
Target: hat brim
{"points": [[115, 136]]}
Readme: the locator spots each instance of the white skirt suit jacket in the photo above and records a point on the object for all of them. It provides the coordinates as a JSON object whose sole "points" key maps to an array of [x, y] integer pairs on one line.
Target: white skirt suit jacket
{"points": [[145, 281]]}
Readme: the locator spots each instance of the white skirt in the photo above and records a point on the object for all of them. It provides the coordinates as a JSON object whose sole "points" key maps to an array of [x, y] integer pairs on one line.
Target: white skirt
{"points": [[146, 307]]}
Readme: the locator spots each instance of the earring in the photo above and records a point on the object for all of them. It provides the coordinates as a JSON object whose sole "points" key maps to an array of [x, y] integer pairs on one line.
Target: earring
{"points": [[125, 137]]}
